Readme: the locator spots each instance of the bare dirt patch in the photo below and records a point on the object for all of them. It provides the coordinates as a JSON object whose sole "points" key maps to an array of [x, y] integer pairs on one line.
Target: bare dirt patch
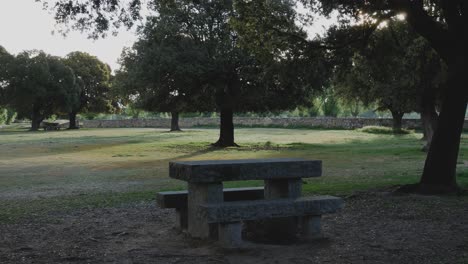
{"points": [[373, 228]]}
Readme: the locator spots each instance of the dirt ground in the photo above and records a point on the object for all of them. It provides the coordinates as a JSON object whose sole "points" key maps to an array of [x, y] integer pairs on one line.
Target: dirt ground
{"points": [[374, 227]]}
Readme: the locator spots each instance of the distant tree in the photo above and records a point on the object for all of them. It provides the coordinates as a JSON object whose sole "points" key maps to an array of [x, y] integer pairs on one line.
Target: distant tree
{"points": [[5, 71], [93, 79], [330, 104], [40, 85], [383, 72], [163, 71]]}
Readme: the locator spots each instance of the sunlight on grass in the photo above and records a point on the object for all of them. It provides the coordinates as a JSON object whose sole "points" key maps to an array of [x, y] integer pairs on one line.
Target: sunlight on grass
{"points": [[109, 166]]}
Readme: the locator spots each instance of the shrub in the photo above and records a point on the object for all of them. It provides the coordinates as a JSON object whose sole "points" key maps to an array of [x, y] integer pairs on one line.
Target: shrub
{"points": [[3, 116], [11, 116], [330, 106]]}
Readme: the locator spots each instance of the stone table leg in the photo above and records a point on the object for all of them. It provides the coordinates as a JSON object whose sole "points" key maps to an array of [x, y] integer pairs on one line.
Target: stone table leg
{"points": [[284, 228], [283, 188], [182, 218], [199, 193]]}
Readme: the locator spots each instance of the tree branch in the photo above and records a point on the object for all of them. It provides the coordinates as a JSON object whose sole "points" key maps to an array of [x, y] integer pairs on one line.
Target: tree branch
{"points": [[337, 46], [435, 32]]}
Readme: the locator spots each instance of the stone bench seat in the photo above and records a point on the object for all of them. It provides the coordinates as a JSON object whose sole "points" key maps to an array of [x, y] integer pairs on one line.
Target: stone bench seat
{"points": [[229, 215], [179, 200], [265, 209]]}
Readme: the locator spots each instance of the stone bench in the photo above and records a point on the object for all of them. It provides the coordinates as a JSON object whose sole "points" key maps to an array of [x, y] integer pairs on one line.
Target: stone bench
{"points": [[281, 210], [230, 215], [179, 200]]}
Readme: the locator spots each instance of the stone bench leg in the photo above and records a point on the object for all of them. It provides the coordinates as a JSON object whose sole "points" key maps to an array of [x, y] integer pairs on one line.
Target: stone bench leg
{"points": [[312, 226], [202, 193], [182, 218], [230, 234], [283, 228]]}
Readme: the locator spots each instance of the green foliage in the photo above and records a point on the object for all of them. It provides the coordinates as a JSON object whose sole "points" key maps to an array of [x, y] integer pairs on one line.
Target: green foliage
{"points": [[3, 116], [390, 70], [94, 83], [352, 108], [6, 60], [39, 85], [190, 58], [9, 116], [330, 105]]}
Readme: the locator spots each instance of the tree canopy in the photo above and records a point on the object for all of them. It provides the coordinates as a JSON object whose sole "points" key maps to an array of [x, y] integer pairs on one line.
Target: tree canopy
{"points": [[93, 77], [394, 69], [5, 71], [189, 56], [40, 85]]}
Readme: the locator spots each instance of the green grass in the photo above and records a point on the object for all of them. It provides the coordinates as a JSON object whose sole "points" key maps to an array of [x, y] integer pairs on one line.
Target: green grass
{"points": [[384, 130], [54, 171]]}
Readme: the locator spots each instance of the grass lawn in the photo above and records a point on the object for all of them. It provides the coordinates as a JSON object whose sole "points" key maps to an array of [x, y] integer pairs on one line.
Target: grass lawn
{"points": [[46, 171]]}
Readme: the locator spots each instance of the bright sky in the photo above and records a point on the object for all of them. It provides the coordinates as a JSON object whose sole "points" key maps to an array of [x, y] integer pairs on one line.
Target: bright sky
{"points": [[25, 26]]}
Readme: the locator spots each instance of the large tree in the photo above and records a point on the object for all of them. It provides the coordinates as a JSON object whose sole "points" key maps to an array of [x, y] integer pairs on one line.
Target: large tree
{"points": [[40, 85], [93, 78], [443, 23], [188, 56]]}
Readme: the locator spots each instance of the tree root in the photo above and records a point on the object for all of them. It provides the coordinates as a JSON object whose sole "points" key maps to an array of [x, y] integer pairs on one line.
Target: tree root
{"points": [[219, 144]]}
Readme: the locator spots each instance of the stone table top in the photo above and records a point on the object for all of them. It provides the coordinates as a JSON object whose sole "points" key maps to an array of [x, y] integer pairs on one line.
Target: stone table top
{"points": [[211, 171]]}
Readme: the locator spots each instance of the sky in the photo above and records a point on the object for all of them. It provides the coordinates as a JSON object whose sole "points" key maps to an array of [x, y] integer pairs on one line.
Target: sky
{"points": [[25, 26]]}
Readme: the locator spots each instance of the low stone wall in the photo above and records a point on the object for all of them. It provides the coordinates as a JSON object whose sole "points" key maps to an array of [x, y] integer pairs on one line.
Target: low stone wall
{"points": [[317, 122]]}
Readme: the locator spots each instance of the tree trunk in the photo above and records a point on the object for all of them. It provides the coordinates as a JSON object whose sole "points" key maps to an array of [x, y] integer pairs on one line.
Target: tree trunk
{"points": [[439, 175], [36, 120], [429, 124], [397, 119], [226, 134], [72, 121], [175, 121]]}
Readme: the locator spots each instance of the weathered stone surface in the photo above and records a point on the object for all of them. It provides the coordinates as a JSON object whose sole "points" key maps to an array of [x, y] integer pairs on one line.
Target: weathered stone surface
{"points": [[251, 169], [311, 226], [202, 193], [230, 234], [182, 218], [266, 209], [178, 199], [282, 228], [283, 188]]}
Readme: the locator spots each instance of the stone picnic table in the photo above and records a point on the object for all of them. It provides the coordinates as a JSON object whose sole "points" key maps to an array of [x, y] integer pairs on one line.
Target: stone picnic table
{"points": [[210, 215]]}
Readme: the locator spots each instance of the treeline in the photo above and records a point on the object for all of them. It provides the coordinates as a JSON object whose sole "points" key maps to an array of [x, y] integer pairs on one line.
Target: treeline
{"points": [[35, 85]]}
